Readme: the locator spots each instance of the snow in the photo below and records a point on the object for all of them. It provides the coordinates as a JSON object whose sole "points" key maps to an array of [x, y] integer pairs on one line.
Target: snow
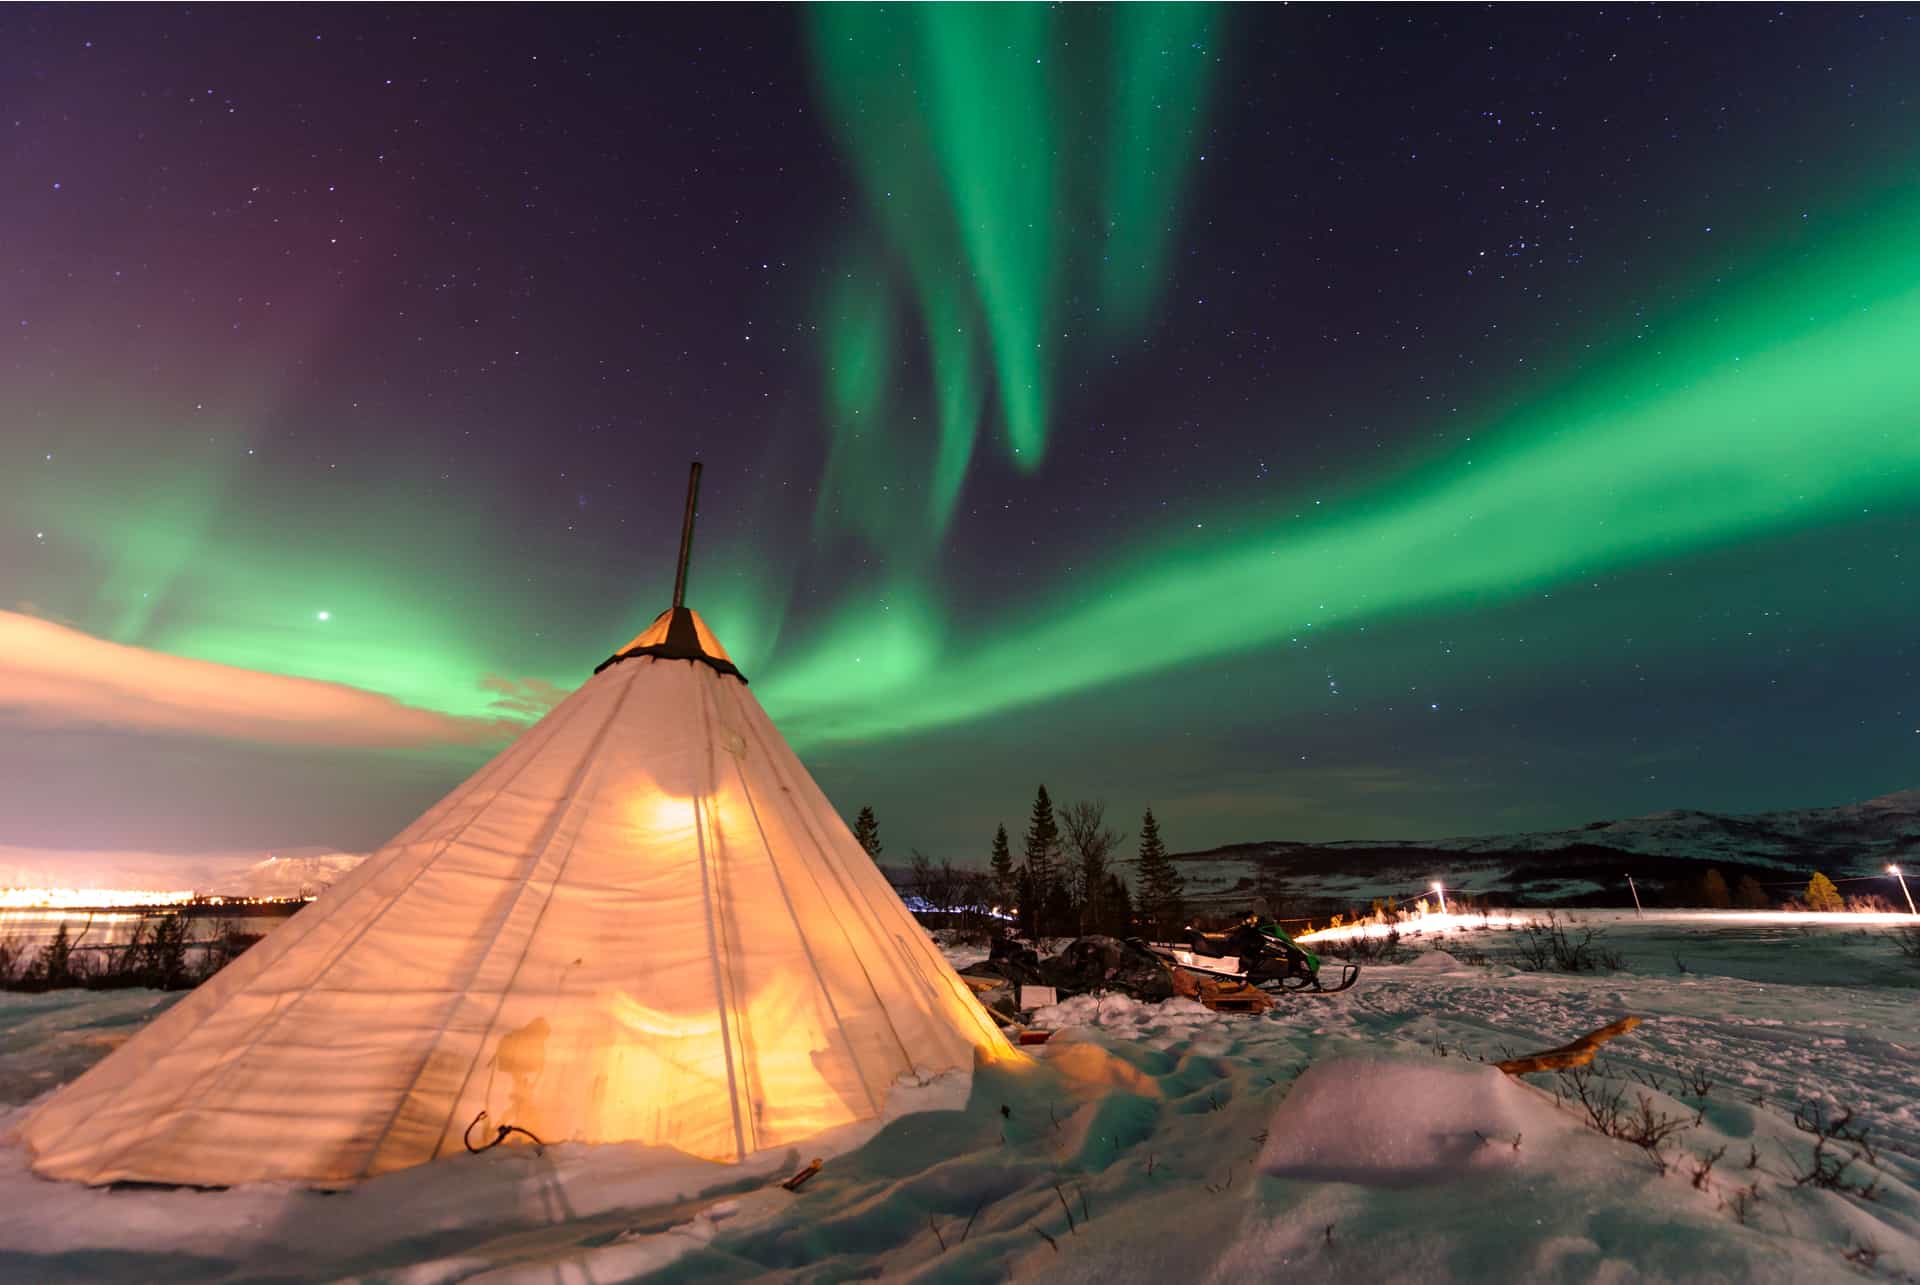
{"points": [[1331, 1126], [1345, 1137]]}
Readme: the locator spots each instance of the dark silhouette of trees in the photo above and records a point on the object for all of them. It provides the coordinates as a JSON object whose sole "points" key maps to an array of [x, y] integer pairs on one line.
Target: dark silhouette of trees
{"points": [[1162, 890], [1001, 863], [1039, 911], [866, 831]]}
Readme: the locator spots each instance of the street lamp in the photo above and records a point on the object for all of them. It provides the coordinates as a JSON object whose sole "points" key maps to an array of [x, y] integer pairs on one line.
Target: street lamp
{"points": [[1897, 873], [1443, 895]]}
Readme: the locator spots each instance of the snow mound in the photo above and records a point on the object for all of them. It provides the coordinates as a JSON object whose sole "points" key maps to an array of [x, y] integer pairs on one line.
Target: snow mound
{"points": [[1393, 1122], [1125, 1016]]}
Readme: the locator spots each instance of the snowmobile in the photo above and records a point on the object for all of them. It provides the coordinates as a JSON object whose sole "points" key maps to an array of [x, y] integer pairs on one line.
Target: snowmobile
{"points": [[1255, 951]]}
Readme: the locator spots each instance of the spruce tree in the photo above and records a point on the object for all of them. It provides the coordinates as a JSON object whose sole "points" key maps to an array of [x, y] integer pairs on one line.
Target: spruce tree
{"points": [[866, 831], [1822, 895], [1713, 891], [1002, 865], [1162, 890], [1043, 850], [1749, 895]]}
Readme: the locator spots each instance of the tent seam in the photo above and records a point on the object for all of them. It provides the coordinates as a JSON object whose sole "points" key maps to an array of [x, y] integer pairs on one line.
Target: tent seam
{"points": [[975, 1012], [590, 768], [186, 1103], [800, 932], [713, 945], [814, 838]]}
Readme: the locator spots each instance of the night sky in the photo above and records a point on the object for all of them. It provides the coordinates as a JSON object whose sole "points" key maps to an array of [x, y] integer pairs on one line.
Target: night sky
{"points": [[1311, 424]]}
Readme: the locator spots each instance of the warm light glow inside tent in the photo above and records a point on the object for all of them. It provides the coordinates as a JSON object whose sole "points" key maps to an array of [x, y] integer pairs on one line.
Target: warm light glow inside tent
{"points": [[641, 922]]}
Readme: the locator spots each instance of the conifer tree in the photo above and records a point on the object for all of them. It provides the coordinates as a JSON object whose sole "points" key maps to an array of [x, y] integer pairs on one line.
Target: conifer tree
{"points": [[867, 831], [1749, 895], [1822, 895], [1002, 865], [1043, 850], [1713, 891], [1162, 890]]}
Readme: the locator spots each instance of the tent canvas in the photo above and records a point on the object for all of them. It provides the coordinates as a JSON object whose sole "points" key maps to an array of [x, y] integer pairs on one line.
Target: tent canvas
{"points": [[641, 922]]}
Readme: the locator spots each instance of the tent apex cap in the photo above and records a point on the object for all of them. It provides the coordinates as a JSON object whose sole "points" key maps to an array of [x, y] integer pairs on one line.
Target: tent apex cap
{"points": [[677, 633]]}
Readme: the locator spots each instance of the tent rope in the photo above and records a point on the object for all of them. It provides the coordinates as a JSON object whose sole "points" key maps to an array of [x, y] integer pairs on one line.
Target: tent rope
{"points": [[499, 1135]]}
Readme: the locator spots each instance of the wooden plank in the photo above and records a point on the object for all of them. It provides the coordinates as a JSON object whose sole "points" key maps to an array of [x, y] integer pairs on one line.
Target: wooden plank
{"points": [[1579, 1053]]}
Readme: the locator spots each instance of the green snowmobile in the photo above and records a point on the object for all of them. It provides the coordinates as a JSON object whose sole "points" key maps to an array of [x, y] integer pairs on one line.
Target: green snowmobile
{"points": [[1258, 951]]}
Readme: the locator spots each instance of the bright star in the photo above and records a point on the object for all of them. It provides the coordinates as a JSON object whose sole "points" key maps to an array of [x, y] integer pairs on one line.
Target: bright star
{"points": [[325, 615]]}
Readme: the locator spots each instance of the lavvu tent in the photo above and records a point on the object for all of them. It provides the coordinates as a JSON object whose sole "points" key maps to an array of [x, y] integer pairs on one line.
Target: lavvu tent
{"points": [[642, 922]]}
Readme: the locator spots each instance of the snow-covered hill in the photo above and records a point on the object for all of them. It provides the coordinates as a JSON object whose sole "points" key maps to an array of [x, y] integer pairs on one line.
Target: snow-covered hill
{"points": [[1663, 849], [1872, 832], [294, 876]]}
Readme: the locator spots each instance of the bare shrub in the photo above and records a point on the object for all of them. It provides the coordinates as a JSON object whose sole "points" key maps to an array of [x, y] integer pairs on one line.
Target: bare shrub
{"points": [[1703, 1168], [227, 945], [1740, 1204], [1608, 1113], [1548, 947], [1838, 1145]]}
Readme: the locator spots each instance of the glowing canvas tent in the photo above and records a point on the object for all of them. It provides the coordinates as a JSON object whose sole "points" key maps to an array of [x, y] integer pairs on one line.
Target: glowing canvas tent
{"points": [[642, 921]]}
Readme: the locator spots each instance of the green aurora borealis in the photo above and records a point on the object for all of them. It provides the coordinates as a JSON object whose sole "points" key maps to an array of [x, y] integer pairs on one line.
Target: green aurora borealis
{"points": [[946, 112], [986, 499], [1788, 401]]}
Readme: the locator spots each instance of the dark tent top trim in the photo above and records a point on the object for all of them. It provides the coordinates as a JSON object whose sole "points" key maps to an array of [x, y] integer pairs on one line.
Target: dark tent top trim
{"points": [[682, 643]]}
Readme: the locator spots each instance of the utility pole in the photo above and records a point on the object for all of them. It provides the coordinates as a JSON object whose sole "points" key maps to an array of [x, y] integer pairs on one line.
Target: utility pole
{"points": [[1636, 898], [1900, 874]]}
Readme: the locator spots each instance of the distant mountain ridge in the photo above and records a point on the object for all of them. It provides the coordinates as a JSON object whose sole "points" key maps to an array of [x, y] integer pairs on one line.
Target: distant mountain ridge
{"points": [[282, 877], [1875, 831], [1587, 863]]}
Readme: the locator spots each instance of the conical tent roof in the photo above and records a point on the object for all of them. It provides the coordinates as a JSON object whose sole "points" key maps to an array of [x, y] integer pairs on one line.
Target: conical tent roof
{"points": [[641, 922]]}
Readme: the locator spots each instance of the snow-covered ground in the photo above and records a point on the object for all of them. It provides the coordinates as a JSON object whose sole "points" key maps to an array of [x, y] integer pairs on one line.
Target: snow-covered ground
{"points": [[1350, 1137]]}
